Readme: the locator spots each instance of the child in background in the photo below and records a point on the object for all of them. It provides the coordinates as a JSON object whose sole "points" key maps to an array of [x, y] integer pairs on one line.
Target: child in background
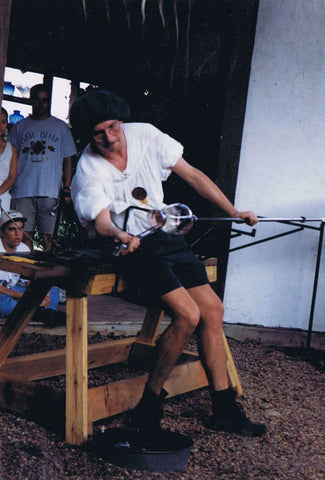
{"points": [[12, 286]]}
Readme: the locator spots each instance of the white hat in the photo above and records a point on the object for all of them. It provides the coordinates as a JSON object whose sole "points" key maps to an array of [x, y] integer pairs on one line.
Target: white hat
{"points": [[11, 215]]}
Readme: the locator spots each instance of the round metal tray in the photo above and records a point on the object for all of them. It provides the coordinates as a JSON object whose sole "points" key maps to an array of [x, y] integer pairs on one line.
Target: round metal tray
{"points": [[129, 448]]}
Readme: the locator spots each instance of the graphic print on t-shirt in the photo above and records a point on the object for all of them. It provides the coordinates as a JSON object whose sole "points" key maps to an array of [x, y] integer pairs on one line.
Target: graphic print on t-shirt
{"points": [[37, 149]]}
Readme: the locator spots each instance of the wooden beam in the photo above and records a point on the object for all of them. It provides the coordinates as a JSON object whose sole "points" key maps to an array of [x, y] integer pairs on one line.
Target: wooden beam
{"points": [[231, 368], [5, 9], [141, 354], [76, 371], [104, 283], [151, 324], [49, 364], [40, 403], [121, 396], [114, 398], [21, 315]]}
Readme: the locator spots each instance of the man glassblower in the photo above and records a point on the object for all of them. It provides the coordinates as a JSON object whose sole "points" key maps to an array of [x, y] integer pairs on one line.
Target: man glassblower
{"points": [[121, 160]]}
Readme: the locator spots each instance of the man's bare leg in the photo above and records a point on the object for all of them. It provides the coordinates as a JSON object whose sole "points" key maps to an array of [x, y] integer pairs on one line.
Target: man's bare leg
{"points": [[186, 316], [188, 307], [212, 351], [228, 415]]}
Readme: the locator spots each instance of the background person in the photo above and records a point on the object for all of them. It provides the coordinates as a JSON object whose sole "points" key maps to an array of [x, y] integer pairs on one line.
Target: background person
{"points": [[122, 160], [45, 149], [8, 162], [12, 286]]}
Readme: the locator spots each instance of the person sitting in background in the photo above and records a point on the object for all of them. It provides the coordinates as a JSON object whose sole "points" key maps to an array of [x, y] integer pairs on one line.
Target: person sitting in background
{"points": [[12, 286], [8, 162]]}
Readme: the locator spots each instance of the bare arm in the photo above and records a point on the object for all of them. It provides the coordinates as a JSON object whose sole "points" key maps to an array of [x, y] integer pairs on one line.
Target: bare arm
{"points": [[209, 190], [10, 180], [67, 171], [66, 178], [11, 293], [17, 295], [105, 227]]}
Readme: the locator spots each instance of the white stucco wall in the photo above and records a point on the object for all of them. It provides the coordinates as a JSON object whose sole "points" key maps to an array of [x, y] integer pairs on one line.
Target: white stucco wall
{"points": [[282, 169]]}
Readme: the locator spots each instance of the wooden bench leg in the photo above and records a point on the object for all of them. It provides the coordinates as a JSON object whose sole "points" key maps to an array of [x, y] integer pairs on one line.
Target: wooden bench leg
{"points": [[77, 371], [21, 315], [231, 368], [151, 324]]}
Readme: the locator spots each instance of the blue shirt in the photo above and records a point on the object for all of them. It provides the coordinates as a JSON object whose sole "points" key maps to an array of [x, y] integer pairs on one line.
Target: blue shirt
{"points": [[42, 145]]}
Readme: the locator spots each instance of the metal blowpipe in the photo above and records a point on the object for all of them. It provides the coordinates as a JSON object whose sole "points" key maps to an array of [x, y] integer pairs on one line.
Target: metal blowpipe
{"points": [[178, 219]]}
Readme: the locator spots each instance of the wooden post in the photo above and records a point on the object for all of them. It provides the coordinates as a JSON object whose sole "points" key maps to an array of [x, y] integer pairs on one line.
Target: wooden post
{"points": [[151, 324], [231, 368], [5, 9], [77, 370]]}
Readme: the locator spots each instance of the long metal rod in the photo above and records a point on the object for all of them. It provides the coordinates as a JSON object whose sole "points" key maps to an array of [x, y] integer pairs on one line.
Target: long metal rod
{"points": [[263, 240], [260, 219], [313, 301]]}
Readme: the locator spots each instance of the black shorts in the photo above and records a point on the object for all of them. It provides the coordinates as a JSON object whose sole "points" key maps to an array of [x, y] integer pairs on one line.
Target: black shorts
{"points": [[163, 263]]}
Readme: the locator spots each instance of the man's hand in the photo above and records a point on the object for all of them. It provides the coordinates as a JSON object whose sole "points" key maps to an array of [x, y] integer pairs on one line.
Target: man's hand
{"points": [[65, 194], [249, 217], [131, 241]]}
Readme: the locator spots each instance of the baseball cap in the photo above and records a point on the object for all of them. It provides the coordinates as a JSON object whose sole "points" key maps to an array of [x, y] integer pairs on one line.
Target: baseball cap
{"points": [[11, 215], [95, 107]]}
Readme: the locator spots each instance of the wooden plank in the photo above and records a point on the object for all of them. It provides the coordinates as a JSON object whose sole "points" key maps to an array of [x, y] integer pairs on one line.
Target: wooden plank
{"points": [[114, 398], [101, 284], [76, 371], [118, 397], [32, 271], [212, 273], [185, 378], [151, 324], [141, 354], [211, 268], [49, 364], [231, 368], [105, 283], [21, 315], [42, 404]]}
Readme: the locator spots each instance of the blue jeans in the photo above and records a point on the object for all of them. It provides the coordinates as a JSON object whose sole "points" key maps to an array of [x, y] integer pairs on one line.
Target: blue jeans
{"points": [[7, 303]]}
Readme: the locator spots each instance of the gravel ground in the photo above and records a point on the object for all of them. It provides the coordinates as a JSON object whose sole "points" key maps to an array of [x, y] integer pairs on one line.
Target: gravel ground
{"points": [[284, 389]]}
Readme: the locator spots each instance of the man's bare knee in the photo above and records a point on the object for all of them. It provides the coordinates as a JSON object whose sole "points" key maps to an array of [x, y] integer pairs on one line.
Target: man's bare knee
{"points": [[187, 320]]}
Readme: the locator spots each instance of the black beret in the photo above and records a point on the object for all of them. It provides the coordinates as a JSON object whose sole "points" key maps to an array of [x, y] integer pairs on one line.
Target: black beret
{"points": [[95, 107]]}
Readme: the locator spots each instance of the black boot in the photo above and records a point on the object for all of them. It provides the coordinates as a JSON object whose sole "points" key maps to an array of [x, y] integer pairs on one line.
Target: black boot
{"points": [[147, 415], [229, 416]]}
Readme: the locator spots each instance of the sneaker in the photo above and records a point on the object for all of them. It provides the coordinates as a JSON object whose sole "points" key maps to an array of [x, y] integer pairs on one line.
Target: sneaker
{"points": [[232, 418]]}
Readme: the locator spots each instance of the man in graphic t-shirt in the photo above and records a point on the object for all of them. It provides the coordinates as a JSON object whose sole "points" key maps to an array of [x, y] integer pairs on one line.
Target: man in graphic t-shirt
{"points": [[45, 150]]}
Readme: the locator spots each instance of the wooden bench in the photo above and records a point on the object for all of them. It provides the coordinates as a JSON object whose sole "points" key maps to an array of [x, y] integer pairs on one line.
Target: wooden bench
{"points": [[79, 407]]}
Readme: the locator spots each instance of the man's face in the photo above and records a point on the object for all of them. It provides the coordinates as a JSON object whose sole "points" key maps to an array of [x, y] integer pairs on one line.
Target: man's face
{"points": [[41, 105], [108, 136], [12, 234]]}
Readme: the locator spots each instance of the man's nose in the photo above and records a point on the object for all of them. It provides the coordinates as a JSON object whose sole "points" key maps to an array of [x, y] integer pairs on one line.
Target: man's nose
{"points": [[109, 135]]}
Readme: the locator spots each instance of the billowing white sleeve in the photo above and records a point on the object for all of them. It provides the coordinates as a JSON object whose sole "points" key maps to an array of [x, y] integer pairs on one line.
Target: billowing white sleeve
{"points": [[89, 198], [169, 151]]}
